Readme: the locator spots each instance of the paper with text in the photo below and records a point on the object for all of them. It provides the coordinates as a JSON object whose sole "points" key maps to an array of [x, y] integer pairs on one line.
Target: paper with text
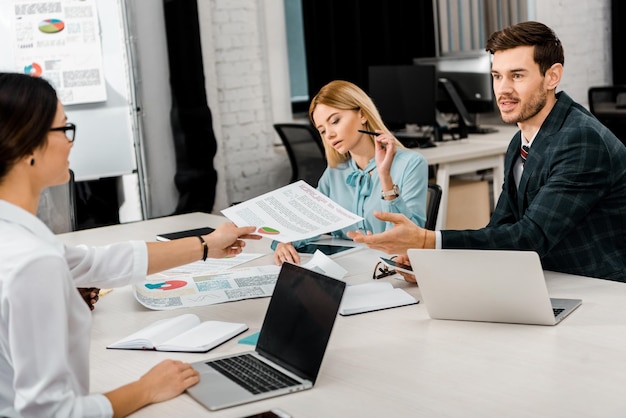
{"points": [[206, 288], [61, 42], [292, 213]]}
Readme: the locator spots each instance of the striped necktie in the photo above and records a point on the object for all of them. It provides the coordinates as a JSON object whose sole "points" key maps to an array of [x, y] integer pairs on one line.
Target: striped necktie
{"points": [[523, 152]]}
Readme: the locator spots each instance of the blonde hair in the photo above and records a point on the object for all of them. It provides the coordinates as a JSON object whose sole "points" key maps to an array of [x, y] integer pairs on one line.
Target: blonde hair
{"points": [[344, 95]]}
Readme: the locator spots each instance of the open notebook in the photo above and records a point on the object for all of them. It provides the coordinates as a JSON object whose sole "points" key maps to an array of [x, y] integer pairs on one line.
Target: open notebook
{"points": [[491, 286], [290, 349]]}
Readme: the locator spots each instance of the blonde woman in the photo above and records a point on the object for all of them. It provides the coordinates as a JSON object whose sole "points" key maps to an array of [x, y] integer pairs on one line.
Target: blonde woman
{"points": [[368, 168]]}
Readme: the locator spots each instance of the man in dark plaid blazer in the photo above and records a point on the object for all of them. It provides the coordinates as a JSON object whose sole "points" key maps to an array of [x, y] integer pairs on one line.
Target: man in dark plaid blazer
{"points": [[567, 199]]}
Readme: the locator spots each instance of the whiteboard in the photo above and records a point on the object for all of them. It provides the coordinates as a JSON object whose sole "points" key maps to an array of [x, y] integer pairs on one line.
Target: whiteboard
{"points": [[106, 131]]}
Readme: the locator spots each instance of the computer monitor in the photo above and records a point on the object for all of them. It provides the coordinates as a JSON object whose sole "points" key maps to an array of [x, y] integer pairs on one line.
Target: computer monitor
{"points": [[404, 94], [468, 75]]}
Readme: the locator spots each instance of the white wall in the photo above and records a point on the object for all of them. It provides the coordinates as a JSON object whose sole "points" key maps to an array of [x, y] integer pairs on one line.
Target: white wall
{"points": [[245, 64], [584, 28], [244, 52]]}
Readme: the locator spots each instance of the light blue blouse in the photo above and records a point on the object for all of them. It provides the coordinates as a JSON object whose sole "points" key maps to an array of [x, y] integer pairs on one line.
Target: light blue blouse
{"points": [[359, 192]]}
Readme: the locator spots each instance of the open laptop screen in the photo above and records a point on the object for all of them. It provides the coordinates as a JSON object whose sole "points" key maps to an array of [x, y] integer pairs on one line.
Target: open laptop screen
{"points": [[299, 320]]}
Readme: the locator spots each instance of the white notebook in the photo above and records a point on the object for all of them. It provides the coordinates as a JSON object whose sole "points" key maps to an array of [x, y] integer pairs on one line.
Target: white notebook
{"points": [[185, 333], [373, 296]]}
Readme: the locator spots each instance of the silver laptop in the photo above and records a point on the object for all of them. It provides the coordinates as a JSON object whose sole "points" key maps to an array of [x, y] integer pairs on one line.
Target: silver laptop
{"points": [[290, 348], [487, 285]]}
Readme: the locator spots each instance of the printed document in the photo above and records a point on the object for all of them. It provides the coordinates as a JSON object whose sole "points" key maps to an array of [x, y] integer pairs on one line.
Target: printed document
{"points": [[195, 285], [164, 292], [292, 213]]}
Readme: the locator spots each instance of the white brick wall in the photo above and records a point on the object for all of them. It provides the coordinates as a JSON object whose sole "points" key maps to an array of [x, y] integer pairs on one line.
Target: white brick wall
{"points": [[248, 163], [585, 31]]}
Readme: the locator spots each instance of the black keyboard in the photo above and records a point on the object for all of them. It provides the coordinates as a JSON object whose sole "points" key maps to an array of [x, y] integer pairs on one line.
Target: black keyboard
{"points": [[557, 311], [252, 374]]}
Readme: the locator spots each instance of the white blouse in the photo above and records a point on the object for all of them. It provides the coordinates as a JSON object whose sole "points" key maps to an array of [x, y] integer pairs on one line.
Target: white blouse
{"points": [[45, 325]]}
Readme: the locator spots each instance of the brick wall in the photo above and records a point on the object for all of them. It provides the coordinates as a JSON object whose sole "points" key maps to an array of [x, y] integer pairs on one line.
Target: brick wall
{"points": [[584, 29], [238, 90]]}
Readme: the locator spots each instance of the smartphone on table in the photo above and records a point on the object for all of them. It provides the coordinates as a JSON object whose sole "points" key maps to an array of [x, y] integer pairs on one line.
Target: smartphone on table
{"points": [[397, 266]]}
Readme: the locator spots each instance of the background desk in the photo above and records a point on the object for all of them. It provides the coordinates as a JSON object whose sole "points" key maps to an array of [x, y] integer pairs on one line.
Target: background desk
{"points": [[397, 362], [478, 152]]}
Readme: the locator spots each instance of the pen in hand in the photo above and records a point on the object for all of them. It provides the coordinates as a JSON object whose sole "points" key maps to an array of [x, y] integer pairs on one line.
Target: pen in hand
{"points": [[368, 132], [371, 133]]}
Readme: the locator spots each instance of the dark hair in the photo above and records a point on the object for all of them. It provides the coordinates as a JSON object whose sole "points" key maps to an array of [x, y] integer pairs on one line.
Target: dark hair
{"points": [[548, 47], [27, 109]]}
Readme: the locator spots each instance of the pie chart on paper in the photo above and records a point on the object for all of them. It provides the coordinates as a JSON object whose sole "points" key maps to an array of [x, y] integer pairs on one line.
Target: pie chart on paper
{"points": [[33, 69], [268, 231], [51, 26]]}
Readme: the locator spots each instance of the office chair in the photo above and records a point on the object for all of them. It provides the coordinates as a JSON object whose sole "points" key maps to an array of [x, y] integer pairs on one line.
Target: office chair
{"points": [[608, 104], [57, 207], [433, 199], [305, 150]]}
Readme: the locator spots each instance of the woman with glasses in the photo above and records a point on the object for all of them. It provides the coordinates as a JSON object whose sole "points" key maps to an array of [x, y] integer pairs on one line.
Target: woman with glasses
{"points": [[368, 168], [44, 324]]}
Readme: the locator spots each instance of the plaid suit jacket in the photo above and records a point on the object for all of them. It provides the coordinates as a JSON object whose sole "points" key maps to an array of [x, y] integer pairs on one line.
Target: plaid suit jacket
{"points": [[571, 203]]}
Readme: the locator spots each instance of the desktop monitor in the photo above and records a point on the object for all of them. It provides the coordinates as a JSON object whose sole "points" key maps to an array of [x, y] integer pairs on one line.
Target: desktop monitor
{"points": [[468, 75], [404, 94]]}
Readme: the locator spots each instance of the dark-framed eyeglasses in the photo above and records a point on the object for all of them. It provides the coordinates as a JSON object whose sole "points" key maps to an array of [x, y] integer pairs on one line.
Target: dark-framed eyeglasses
{"points": [[69, 130], [382, 270]]}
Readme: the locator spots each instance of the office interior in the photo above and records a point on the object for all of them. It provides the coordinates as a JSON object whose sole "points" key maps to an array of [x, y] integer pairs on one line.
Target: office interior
{"points": [[235, 63]]}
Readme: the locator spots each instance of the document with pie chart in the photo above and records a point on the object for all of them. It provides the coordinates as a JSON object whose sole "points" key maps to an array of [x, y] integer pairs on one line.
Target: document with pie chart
{"points": [[292, 213]]}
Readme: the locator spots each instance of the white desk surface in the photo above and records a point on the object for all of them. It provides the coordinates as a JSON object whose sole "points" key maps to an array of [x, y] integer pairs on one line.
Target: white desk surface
{"points": [[397, 362], [478, 152]]}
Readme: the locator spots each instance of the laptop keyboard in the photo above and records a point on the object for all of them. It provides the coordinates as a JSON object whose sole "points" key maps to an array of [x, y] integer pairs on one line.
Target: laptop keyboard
{"points": [[251, 373], [557, 311]]}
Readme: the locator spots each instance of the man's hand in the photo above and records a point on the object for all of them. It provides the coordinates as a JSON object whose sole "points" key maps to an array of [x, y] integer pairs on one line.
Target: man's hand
{"points": [[397, 240]]}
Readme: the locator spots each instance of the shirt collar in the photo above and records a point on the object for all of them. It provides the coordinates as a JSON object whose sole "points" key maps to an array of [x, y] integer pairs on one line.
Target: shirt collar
{"points": [[530, 141], [14, 214]]}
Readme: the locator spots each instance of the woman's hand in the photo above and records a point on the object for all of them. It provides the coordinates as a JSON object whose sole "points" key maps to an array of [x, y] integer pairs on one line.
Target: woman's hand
{"points": [[286, 252], [168, 379], [164, 381], [385, 151], [228, 239]]}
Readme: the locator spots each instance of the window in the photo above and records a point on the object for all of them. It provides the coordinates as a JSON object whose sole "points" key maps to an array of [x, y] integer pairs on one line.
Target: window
{"points": [[464, 25], [297, 56]]}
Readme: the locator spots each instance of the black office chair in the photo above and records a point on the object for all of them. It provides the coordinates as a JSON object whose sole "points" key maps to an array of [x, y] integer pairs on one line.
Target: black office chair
{"points": [[305, 150], [433, 199], [608, 104], [57, 207]]}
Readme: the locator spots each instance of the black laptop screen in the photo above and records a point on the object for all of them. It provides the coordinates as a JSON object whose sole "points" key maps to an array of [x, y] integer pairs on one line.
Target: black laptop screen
{"points": [[299, 320]]}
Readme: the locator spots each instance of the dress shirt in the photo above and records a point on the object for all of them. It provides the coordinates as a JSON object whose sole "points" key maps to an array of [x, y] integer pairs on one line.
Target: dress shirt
{"points": [[359, 191], [45, 325], [518, 166], [517, 174]]}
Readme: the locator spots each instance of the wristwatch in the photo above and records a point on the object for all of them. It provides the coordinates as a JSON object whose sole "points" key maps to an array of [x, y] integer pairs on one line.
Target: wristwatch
{"points": [[395, 192]]}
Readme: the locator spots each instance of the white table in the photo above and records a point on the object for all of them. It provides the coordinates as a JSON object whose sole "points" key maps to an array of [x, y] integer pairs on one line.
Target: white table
{"points": [[478, 152], [398, 362]]}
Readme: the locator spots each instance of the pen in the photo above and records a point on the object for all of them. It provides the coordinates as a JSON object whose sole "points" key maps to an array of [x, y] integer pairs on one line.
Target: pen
{"points": [[368, 132]]}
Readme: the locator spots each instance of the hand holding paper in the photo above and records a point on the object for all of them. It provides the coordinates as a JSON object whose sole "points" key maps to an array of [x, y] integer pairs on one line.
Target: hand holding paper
{"points": [[292, 213]]}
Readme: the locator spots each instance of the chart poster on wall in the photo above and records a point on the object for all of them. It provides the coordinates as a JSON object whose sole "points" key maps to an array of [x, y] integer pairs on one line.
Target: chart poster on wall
{"points": [[60, 41]]}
